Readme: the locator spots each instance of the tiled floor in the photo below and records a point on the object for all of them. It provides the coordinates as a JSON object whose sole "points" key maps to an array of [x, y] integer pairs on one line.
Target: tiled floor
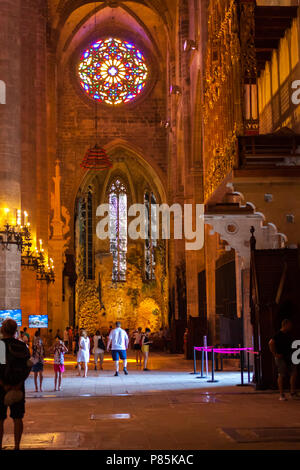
{"points": [[166, 408]]}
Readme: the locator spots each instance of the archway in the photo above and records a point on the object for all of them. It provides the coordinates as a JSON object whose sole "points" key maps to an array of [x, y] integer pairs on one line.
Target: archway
{"points": [[113, 281]]}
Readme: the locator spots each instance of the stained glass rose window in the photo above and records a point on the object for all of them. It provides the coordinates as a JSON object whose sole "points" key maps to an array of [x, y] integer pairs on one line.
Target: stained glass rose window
{"points": [[113, 71]]}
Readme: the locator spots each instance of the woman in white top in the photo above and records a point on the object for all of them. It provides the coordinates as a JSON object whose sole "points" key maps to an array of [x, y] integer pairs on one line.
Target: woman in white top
{"points": [[99, 348], [83, 355]]}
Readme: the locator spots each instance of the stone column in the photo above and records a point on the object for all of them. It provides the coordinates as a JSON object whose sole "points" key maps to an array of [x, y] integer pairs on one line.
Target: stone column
{"points": [[57, 248], [10, 140], [210, 262]]}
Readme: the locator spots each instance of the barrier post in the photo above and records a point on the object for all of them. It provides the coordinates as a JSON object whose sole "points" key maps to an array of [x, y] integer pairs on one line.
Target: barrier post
{"points": [[202, 376], [248, 367], [212, 367], [195, 363], [206, 353], [242, 384], [242, 366]]}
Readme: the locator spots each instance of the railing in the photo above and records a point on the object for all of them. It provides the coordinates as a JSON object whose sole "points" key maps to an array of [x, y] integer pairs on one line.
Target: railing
{"points": [[279, 111]]}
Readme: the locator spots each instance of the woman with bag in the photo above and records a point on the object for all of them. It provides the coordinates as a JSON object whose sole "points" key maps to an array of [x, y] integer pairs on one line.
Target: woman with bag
{"points": [[83, 355], [38, 354], [99, 348]]}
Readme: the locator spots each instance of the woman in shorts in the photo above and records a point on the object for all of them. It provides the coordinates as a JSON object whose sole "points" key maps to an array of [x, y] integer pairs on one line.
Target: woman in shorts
{"points": [[59, 350], [38, 354]]}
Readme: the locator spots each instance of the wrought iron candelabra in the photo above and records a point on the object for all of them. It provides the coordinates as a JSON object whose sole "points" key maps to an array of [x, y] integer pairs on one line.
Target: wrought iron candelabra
{"points": [[33, 259]]}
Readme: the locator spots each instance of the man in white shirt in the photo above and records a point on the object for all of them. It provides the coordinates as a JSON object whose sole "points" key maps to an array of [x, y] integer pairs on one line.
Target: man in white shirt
{"points": [[118, 339]]}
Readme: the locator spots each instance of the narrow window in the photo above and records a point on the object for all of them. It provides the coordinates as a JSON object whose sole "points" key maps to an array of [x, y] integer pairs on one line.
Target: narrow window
{"points": [[151, 241], [118, 228]]}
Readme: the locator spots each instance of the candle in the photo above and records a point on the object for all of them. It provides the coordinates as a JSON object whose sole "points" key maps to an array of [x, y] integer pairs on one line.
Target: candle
{"points": [[18, 218]]}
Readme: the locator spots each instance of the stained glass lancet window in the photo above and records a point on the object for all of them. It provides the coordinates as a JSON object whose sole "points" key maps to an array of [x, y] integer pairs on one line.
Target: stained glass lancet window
{"points": [[85, 220], [151, 232], [113, 71], [118, 229]]}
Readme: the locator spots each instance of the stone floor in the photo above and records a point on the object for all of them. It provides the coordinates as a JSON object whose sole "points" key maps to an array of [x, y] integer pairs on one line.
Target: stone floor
{"points": [[166, 408]]}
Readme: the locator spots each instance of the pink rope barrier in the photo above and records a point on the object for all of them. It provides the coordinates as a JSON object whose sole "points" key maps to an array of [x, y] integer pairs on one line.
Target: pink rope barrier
{"points": [[223, 350]]}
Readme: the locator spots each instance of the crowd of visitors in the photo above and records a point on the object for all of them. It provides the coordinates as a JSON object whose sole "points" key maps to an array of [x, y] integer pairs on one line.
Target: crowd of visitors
{"points": [[77, 342], [19, 361]]}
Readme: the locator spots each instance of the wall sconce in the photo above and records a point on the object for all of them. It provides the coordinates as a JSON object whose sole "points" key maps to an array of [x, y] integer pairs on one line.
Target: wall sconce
{"points": [[175, 90], [290, 218], [165, 124], [190, 45], [268, 197]]}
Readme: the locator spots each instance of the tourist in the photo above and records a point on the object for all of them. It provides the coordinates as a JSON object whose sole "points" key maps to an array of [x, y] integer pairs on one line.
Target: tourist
{"points": [[26, 336], [23, 338], [118, 340], [146, 347], [128, 334], [70, 339], [137, 346], [38, 355], [109, 331], [99, 349], [66, 336], [59, 350], [76, 341], [281, 348], [49, 341], [12, 377], [58, 335], [83, 355]]}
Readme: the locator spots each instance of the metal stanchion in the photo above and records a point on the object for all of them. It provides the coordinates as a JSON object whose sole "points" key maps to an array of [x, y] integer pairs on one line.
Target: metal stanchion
{"points": [[195, 364], [202, 376], [212, 367], [242, 384], [248, 367]]}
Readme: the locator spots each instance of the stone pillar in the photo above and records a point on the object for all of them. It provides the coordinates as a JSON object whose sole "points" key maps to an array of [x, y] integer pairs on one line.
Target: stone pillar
{"points": [[30, 303], [10, 141], [57, 247], [210, 261], [248, 329]]}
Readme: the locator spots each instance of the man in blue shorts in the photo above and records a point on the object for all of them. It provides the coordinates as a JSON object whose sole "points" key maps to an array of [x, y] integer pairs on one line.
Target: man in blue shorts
{"points": [[118, 340], [14, 370]]}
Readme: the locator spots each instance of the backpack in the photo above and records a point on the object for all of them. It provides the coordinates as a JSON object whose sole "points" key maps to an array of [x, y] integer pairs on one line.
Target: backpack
{"points": [[101, 344], [18, 366]]}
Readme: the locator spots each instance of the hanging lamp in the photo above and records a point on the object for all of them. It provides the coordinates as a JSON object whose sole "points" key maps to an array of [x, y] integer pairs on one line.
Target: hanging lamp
{"points": [[96, 158]]}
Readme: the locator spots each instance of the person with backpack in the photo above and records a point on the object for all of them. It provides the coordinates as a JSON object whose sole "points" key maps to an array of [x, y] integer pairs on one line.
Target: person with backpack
{"points": [[14, 370], [99, 348], [83, 355]]}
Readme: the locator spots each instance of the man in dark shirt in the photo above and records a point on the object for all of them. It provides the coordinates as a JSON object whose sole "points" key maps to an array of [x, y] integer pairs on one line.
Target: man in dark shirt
{"points": [[281, 347], [13, 374]]}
